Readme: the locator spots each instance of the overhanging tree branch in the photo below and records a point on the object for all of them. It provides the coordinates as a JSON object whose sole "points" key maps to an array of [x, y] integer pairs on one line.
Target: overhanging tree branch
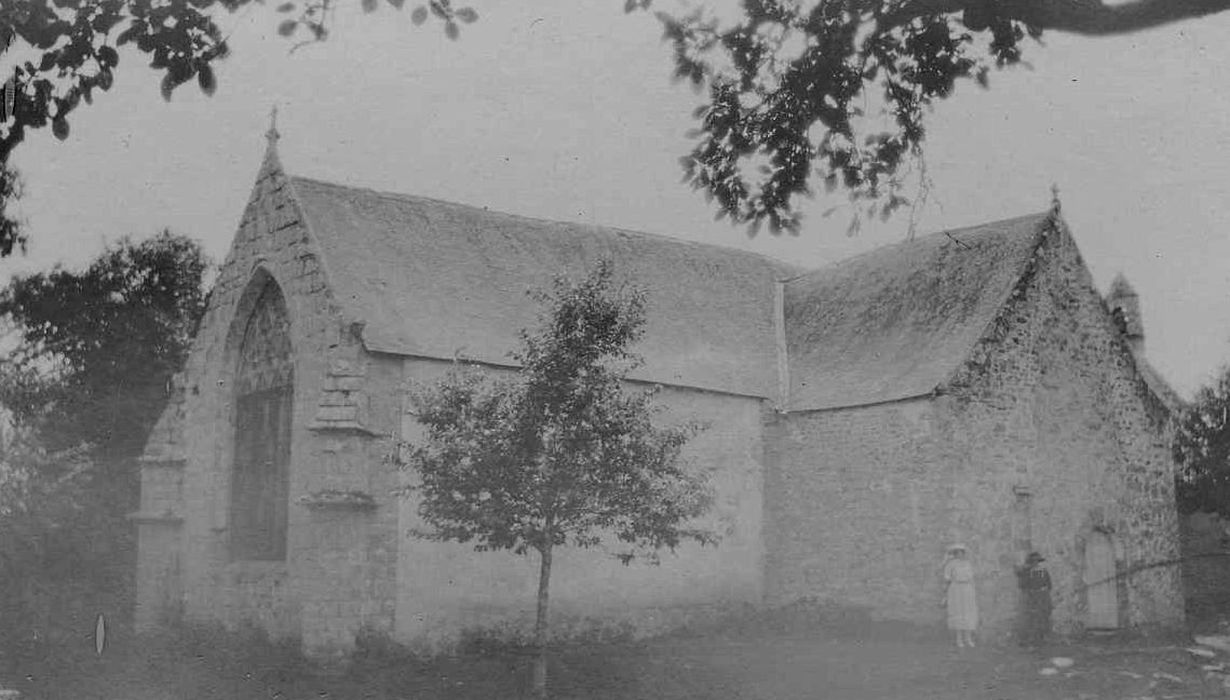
{"points": [[789, 83], [1088, 17]]}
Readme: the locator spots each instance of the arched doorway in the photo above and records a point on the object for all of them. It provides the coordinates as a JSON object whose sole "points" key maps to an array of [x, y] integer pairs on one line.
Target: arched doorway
{"points": [[264, 400], [1101, 583]]}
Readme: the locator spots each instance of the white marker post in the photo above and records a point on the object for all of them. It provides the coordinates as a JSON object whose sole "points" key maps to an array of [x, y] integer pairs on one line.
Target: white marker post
{"points": [[100, 634]]}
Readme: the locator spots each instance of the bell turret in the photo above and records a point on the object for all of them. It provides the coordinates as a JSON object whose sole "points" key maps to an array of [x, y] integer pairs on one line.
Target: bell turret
{"points": [[1125, 308]]}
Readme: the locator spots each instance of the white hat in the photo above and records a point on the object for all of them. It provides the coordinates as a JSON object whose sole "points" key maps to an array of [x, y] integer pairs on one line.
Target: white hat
{"points": [[957, 546]]}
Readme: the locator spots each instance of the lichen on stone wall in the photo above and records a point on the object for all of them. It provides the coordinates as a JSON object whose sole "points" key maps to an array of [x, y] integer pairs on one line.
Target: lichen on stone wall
{"points": [[1043, 434]]}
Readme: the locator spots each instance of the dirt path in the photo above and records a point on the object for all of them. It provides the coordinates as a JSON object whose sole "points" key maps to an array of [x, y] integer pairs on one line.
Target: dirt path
{"points": [[789, 669], [864, 664]]}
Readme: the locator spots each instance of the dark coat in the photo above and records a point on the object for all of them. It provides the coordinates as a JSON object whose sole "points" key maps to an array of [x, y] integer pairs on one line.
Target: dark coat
{"points": [[1035, 585]]}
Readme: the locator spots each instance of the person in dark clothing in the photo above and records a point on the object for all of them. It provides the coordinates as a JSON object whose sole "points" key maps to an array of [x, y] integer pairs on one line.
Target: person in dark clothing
{"points": [[1035, 585]]}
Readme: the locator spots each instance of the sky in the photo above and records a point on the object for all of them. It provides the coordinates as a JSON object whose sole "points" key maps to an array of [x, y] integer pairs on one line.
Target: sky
{"points": [[565, 110]]}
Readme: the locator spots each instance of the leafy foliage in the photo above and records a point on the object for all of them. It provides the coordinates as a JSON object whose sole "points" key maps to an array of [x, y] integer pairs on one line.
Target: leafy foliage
{"points": [[313, 16], [1202, 449], [77, 47], [560, 453], [87, 378], [788, 83], [97, 348], [791, 82], [11, 234], [788, 89]]}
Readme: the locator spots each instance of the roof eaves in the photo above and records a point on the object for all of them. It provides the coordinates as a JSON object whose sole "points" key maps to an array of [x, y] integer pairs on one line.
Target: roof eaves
{"points": [[510, 366], [883, 402]]}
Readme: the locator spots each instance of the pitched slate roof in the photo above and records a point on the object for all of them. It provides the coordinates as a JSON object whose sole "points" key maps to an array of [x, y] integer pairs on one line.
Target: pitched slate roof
{"points": [[443, 280], [438, 279], [897, 321]]}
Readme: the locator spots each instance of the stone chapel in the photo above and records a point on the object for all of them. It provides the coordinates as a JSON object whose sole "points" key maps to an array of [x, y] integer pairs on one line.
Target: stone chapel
{"points": [[970, 385]]}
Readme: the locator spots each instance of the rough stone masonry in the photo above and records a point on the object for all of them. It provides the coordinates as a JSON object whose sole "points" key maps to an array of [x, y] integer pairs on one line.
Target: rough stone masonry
{"points": [[969, 385]]}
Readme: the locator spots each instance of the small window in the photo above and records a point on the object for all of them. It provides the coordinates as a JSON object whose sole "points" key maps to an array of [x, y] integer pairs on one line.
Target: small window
{"points": [[264, 403]]}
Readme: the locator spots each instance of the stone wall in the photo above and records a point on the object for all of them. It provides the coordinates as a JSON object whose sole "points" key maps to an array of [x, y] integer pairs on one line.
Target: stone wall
{"points": [[338, 573], [1045, 437], [348, 536], [1064, 434], [857, 509], [347, 531], [447, 590]]}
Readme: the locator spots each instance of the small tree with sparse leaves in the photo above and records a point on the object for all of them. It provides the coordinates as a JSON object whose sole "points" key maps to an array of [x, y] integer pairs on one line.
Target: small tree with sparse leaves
{"points": [[559, 453]]}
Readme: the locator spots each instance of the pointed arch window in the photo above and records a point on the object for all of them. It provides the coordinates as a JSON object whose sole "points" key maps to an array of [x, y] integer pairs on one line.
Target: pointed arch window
{"points": [[264, 400]]}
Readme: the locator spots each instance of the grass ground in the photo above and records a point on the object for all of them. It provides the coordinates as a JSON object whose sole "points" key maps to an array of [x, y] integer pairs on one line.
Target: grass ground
{"points": [[837, 659]]}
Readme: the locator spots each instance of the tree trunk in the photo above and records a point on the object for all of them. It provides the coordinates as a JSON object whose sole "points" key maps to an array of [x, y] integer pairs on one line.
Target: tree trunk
{"points": [[540, 625]]}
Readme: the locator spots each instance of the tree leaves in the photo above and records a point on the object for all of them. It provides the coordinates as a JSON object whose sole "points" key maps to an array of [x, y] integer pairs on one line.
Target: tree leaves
{"points": [[11, 233], [59, 128], [115, 330], [1202, 450], [785, 83], [108, 57], [205, 78], [74, 51], [786, 86], [560, 452], [444, 11], [88, 378], [167, 86]]}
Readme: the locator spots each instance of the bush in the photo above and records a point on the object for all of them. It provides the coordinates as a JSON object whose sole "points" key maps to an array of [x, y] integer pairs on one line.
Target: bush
{"points": [[374, 648]]}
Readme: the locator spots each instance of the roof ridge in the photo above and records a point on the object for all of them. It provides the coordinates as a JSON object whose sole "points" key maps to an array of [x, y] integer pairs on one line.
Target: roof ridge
{"points": [[780, 265]]}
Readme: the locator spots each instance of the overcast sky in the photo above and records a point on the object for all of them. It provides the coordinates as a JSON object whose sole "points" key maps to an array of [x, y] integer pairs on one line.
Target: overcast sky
{"points": [[563, 109]]}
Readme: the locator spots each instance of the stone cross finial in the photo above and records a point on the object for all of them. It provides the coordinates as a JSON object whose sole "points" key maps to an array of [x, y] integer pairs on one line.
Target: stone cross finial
{"points": [[272, 134], [1055, 206]]}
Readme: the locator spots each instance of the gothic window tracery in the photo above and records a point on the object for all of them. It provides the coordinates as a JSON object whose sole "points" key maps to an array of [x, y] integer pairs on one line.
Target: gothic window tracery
{"points": [[264, 400]]}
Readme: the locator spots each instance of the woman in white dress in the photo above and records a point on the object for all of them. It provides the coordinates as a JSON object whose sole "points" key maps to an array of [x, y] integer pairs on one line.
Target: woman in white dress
{"points": [[961, 601]]}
